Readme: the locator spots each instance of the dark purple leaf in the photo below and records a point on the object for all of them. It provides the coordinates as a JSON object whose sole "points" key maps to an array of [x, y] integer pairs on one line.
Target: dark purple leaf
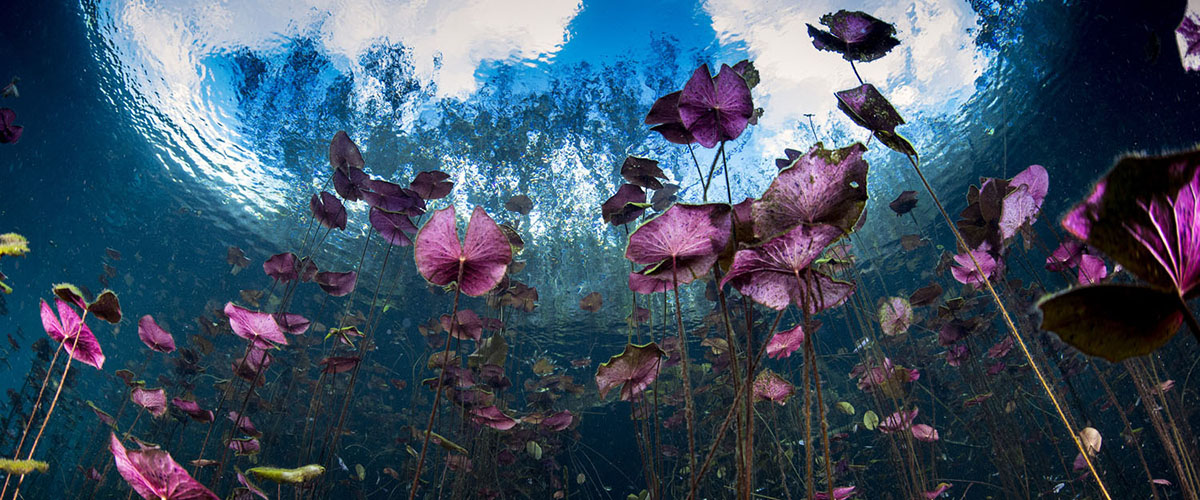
{"points": [[9, 133], [642, 172], [396, 228], [625, 206], [283, 267], [328, 210], [633, 370], [154, 336], [715, 110], [432, 185], [520, 204], [855, 35], [193, 410], [1114, 322], [776, 273], [390, 197], [823, 187], [664, 114], [343, 153], [904, 203], [678, 246], [337, 284], [350, 183]]}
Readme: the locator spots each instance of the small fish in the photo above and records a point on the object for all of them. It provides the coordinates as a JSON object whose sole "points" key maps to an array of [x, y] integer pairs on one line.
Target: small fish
{"points": [[342, 465], [10, 90]]}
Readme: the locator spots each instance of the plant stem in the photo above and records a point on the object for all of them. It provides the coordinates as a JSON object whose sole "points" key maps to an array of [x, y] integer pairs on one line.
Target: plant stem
{"points": [[437, 397], [688, 411], [32, 414], [49, 411]]}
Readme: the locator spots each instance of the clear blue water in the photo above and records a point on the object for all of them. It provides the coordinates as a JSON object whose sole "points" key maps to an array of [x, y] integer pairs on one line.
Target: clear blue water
{"points": [[171, 131]]}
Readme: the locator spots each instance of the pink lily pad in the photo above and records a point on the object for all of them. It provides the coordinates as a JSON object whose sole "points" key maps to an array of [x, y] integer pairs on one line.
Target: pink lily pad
{"points": [[839, 493], [154, 475], [769, 386], [895, 316], [257, 327], [492, 417], [283, 267], [678, 246], [339, 364], [72, 333], [153, 400], [964, 269], [294, 324], [337, 284], [784, 343], [777, 273], [559, 421], [898, 421], [633, 370], [477, 264], [154, 336], [243, 424], [193, 410], [923, 432]]}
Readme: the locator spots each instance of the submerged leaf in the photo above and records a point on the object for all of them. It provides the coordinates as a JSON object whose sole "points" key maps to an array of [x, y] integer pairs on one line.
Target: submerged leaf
{"points": [[678, 246], [72, 333], [715, 109], [777, 273], [822, 187], [22, 467], [477, 264], [769, 386], [154, 336], [154, 475], [633, 370], [855, 35], [1114, 322], [106, 307], [337, 284], [895, 315]]}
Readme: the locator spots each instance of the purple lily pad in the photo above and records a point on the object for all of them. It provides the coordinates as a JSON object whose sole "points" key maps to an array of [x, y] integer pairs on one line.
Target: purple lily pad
{"points": [[154, 336], [282, 266], [343, 153], [895, 316], [1187, 36], [839, 493], [328, 210], [855, 35], [664, 114], [633, 370], [715, 110], [1066, 256], [308, 269], [925, 295], [72, 333], [432, 185], [257, 327], [254, 362], [154, 475], [193, 410], [339, 364], [1023, 203], [769, 386], [957, 354], [964, 269], [678, 246], [492, 417], [784, 343], [625, 206], [294, 324], [869, 109], [396, 228], [243, 424], [777, 272], [337, 284], [559, 421], [350, 183], [822, 187], [923, 432], [390, 197], [466, 325], [642, 172], [898, 421], [478, 263], [9, 133], [1091, 269], [153, 400], [790, 157]]}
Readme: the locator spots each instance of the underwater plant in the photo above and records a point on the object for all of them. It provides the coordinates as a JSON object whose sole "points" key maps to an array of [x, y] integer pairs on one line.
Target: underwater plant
{"points": [[10, 132], [154, 475], [1142, 214]]}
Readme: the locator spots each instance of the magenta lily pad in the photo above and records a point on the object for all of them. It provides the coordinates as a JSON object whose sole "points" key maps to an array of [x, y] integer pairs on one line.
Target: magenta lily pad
{"points": [[839, 493], [432, 185], [396, 228], [283, 267], [193, 410], [337, 284], [895, 316], [784, 343], [1091, 269], [154, 475], [492, 417], [777, 272], [678, 246], [769, 386], [855, 35], [715, 109], [154, 336], [822, 187], [294, 324], [964, 270], [899, 421], [153, 400], [1066, 256], [633, 370], [1187, 36], [243, 424], [923, 432], [257, 327], [1023, 203], [10, 133], [477, 264], [253, 363], [328, 210], [72, 333]]}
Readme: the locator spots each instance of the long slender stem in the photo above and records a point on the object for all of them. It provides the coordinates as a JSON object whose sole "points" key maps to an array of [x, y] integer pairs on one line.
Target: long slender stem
{"points": [[688, 410], [437, 397], [49, 412], [32, 414], [1012, 328]]}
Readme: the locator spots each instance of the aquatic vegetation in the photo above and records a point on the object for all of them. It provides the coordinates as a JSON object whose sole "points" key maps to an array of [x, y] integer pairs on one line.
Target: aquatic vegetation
{"points": [[822, 187], [1187, 36], [193, 410], [22, 467], [72, 333], [493, 417], [904, 203], [624, 206], [154, 336], [154, 475], [895, 316], [153, 400], [855, 35], [476, 264], [258, 327], [288, 476], [1139, 214], [633, 370], [10, 132], [769, 386], [784, 343], [778, 272], [328, 210], [677, 247], [715, 109], [337, 284]]}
